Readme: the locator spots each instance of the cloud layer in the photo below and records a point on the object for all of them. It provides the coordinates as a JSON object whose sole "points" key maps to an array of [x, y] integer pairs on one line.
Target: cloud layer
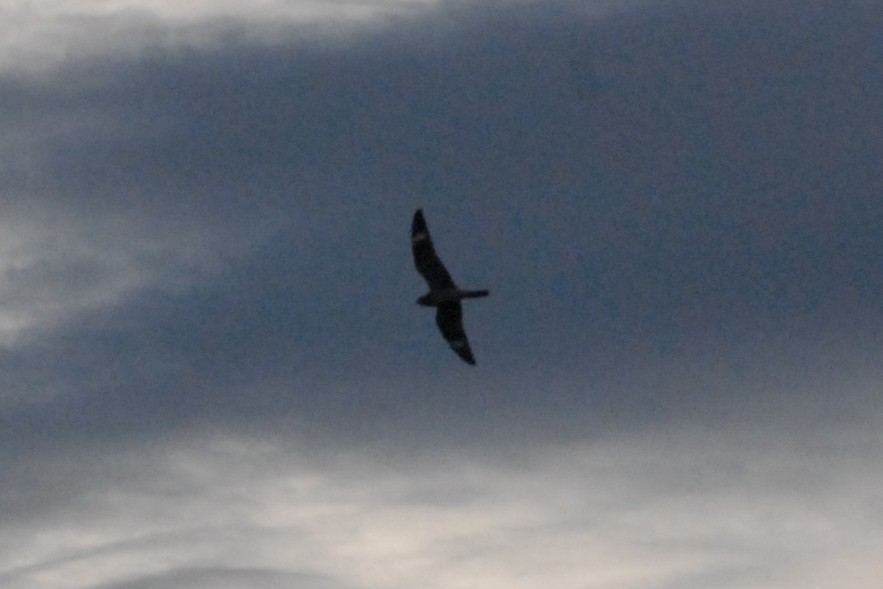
{"points": [[213, 372], [684, 509]]}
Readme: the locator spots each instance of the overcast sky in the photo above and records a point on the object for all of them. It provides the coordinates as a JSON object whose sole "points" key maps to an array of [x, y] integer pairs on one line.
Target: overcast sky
{"points": [[213, 373]]}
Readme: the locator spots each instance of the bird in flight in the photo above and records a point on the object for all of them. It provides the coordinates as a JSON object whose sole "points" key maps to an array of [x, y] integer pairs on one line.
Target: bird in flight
{"points": [[443, 292]]}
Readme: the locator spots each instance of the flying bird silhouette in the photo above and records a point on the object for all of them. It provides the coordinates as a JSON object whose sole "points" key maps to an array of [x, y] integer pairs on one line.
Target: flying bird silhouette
{"points": [[443, 292]]}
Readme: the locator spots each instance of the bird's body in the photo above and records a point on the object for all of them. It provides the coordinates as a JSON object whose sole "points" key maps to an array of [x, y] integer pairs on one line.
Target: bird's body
{"points": [[439, 297], [443, 292]]}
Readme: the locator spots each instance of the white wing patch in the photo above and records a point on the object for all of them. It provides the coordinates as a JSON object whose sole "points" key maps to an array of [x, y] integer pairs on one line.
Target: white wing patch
{"points": [[419, 237], [458, 343]]}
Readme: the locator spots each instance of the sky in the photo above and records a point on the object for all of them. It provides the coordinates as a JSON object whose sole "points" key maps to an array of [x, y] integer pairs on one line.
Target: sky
{"points": [[213, 370]]}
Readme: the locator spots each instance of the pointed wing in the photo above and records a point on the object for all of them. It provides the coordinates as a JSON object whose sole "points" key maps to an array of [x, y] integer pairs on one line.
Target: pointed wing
{"points": [[449, 317], [425, 258]]}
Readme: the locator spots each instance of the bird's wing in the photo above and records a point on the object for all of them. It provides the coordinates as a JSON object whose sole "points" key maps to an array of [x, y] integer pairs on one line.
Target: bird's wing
{"points": [[449, 317], [425, 258]]}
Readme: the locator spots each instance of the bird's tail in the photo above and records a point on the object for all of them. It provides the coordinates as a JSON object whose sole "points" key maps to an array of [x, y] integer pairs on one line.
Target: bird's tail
{"points": [[475, 294]]}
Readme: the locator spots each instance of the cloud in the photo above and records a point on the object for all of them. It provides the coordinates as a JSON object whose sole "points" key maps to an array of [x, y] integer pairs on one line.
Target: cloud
{"points": [[213, 372], [36, 38], [399, 116], [667, 509], [215, 232], [229, 578]]}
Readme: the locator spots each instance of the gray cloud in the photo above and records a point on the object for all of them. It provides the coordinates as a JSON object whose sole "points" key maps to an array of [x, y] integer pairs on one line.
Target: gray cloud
{"points": [[228, 578], [399, 118], [742, 506], [638, 200], [676, 210], [692, 201]]}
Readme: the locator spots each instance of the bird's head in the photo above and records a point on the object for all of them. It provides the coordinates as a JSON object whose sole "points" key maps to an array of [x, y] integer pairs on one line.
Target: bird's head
{"points": [[425, 301]]}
